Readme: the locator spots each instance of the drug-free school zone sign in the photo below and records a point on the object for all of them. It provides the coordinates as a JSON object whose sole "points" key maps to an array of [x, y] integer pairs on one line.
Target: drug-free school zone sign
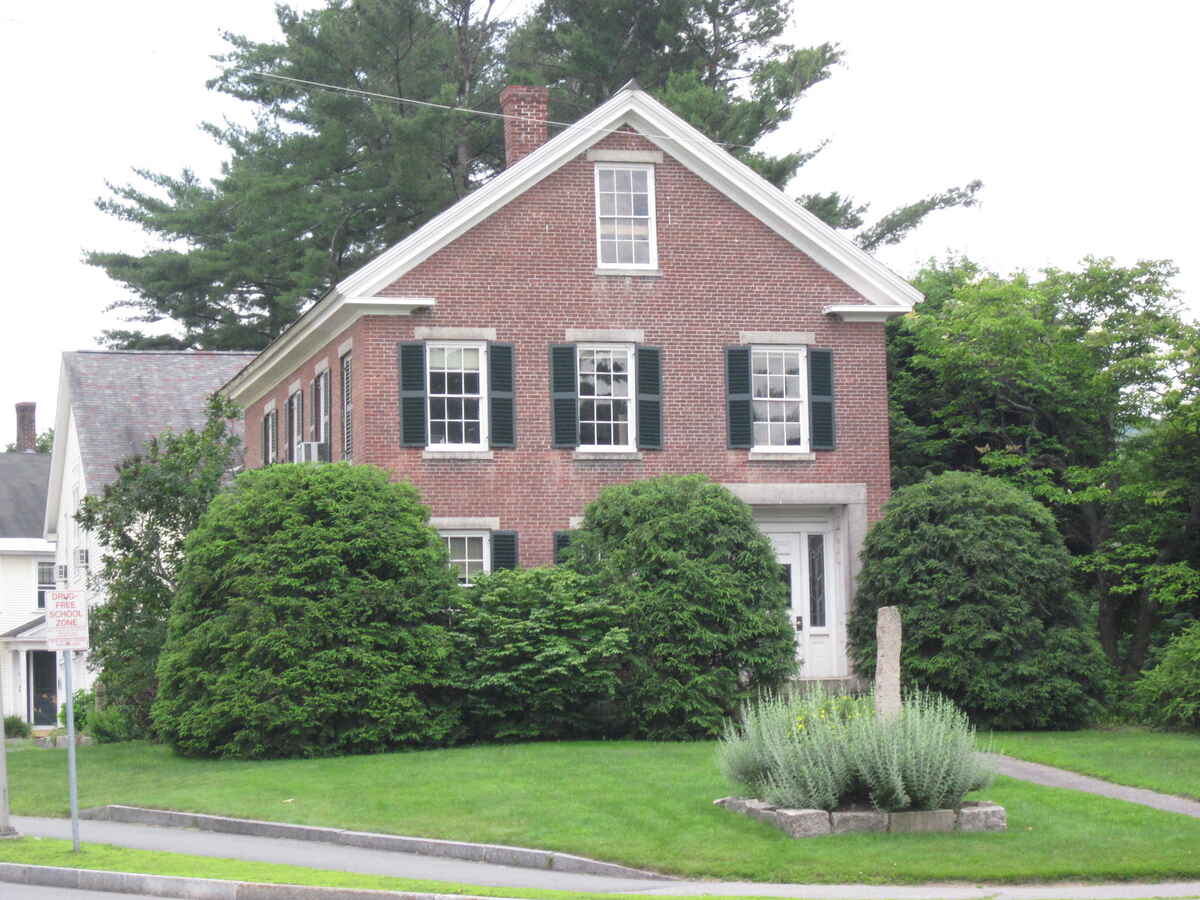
{"points": [[67, 621]]}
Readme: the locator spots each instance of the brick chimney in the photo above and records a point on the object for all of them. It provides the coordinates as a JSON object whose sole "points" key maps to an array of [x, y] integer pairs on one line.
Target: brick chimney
{"points": [[26, 428], [526, 110]]}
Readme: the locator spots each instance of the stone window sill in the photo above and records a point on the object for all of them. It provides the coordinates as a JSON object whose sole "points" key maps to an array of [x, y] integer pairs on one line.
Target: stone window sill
{"points": [[768, 456], [625, 273], [593, 455], [457, 454]]}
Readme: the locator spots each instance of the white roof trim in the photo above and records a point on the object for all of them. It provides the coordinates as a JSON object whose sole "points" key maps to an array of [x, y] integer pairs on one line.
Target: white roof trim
{"points": [[871, 278], [25, 545], [850, 312], [332, 314]]}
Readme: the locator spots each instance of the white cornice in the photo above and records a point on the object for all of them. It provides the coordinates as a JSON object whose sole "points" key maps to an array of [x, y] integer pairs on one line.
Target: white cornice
{"points": [[24, 546], [332, 314], [850, 312]]}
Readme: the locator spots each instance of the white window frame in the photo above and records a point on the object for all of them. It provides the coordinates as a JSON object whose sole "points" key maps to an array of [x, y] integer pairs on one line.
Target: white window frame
{"points": [[805, 415], [322, 409], [470, 533], [295, 407], [484, 430], [631, 398], [40, 585], [347, 370], [651, 217], [271, 420]]}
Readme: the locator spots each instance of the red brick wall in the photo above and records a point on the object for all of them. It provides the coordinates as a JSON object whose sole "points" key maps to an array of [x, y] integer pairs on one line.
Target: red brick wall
{"points": [[529, 272]]}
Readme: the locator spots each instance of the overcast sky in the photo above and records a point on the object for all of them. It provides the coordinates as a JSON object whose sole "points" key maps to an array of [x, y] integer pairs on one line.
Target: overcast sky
{"points": [[1080, 118]]}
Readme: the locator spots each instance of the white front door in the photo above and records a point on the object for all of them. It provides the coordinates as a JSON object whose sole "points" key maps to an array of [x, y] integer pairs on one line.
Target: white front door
{"points": [[808, 561]]}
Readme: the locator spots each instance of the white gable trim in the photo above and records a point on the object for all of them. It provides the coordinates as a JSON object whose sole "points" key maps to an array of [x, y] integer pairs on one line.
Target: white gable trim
{"points": [[878, 284]]}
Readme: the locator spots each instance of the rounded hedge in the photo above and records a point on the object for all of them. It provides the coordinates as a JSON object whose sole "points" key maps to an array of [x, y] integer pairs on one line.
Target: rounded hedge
{"points": [[700, 594], [310, 619], [984, 586], [540, 655], [1169, 694]]}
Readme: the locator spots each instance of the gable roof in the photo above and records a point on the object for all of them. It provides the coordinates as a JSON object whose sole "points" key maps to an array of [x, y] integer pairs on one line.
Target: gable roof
{"points": [[24, 478], [885, 293], [122, 398]]}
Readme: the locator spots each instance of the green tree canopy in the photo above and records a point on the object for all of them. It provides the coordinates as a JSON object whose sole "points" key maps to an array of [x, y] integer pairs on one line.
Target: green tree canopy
{"points": [[324, 180], [141, 520], [1080, 388]]}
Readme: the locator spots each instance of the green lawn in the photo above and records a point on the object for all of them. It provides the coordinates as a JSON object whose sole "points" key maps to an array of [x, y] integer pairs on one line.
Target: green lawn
{"points": [[1134, 756], [643, 804]]}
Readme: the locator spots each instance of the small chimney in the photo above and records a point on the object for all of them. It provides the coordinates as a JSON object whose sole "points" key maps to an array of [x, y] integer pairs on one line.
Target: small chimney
{"points": [[26, 428], [526, 110]]}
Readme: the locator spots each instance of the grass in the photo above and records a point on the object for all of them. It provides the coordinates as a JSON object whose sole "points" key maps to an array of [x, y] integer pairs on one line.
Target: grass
{"points": [[642, 804], [1138, 757]]}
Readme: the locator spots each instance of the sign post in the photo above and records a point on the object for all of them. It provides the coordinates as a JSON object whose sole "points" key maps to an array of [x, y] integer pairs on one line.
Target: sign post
{"points": [[6, 829], [67, 630]]}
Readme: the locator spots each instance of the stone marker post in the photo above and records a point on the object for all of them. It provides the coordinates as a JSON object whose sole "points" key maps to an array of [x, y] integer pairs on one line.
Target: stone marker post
{"points": [[887, 662]]}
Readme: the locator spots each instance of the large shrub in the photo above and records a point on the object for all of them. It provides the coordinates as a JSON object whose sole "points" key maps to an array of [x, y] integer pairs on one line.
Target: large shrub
{"points": [[1169, 694], [700, 594], [815, 751], [990, 620], [540, 655], [309, 620]]}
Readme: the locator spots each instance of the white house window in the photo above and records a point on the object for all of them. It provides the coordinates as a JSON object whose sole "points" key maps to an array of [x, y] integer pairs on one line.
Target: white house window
{"points": [[779, 395], [321, 408], [295, 425], [45, 582], [270, 437], [469, 556], [625, 231], [606, 410], [456, 393], [347, 430]]}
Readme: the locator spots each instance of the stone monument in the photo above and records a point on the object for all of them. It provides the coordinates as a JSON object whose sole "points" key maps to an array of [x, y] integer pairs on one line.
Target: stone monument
{"points": [[887, 662]]}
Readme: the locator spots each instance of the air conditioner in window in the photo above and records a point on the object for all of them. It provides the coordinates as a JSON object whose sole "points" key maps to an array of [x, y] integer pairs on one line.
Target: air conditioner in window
{"points": [[310, 451], [81, 558], [60, 572]]}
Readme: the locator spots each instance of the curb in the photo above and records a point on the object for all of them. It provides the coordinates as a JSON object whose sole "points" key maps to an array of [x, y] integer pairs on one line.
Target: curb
{"points": [[194, 888], [496, 854]]}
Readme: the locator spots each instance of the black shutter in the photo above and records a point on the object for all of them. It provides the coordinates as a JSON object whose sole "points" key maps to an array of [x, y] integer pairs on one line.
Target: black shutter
{"points": [[313, 433], [289, 423], [504, 550], [412, 395], [737, 397], [561, 539], [501, 395], [564, 398], [326, 416], [820, 398], [649, 398], [266, 440]]}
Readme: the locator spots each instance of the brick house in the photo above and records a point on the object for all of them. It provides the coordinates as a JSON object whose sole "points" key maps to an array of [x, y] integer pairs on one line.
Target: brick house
{"points": [[622, 301]]}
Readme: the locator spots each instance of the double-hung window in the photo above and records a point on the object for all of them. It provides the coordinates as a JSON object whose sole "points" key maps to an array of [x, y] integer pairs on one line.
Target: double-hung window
{"points": [[625, 227], [606, 397], [607, 411], [457, 395], [470, 554], [456, 391], [295, 425], [779, 391], [322, 414], [270, 438], [45, 582], [779, 398], [347, 411]]}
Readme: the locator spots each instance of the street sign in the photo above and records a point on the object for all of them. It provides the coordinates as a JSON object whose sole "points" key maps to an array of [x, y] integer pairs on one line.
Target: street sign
{"points": [[66, 621]]}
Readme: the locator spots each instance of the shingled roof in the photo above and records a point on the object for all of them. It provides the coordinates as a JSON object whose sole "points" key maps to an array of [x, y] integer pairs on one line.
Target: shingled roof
{"points": [[24, 478], [122, 398]]}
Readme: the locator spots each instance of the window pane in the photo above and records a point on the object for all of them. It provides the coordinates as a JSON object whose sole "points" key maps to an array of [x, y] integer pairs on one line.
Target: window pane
{"points": [[641, 253], [608, 205], [437, 358], [793, 386], [776, 364], [470, 359], [639, 180], [816, 580], [762, 434], [624, 253], [795, 434], [624, 205], [758, 363], [606, 179], [622, 180]]}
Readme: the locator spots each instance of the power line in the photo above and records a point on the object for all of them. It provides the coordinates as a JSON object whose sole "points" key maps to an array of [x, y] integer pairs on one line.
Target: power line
{"points": [[464, 109]]}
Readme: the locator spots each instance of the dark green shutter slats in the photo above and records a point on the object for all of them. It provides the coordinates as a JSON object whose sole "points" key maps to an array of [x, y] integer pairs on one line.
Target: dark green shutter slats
{"points": [[820, 398], [737, 397], [564, 400], [412, 394], [327, 400], [649, 398], [266, 440], [504, 550], [561, 540], [501, 395]]}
